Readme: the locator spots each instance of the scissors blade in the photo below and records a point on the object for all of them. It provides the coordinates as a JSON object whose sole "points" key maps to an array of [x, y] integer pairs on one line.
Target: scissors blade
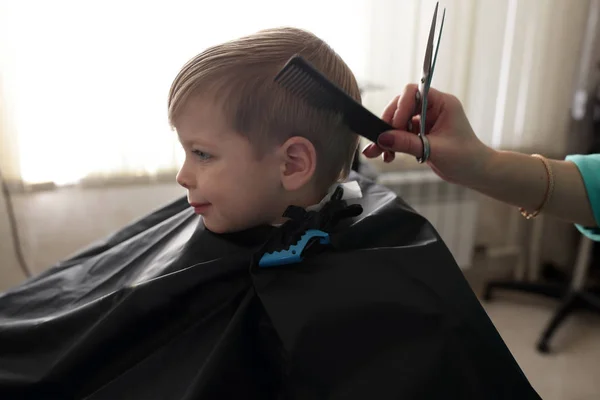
{"points": [[429, 49], [437, 47], [427, 71]]}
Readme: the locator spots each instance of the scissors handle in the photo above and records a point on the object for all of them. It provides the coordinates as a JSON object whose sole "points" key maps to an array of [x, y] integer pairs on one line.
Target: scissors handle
{"points": [[416, 111], [421, 132]]}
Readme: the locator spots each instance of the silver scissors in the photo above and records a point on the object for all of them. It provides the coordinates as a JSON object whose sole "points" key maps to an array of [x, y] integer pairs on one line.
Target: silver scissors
{"points": [[425, 84]]}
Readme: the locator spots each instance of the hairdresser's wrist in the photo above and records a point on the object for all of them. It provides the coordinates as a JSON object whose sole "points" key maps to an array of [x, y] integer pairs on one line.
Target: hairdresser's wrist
{"points": [[480, 173], [513, 178]]}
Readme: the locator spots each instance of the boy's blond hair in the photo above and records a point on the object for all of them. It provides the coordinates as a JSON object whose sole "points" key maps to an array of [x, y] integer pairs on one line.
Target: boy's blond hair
{"points": [[239, 76]]}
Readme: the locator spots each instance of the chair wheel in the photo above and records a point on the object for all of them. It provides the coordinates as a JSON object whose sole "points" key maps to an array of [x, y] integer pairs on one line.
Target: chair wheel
{"points": [[543, 347], [487, 294]]}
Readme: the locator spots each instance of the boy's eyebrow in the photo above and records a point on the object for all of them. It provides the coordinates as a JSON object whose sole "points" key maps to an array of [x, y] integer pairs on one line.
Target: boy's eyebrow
{"points": [[190, 142]]}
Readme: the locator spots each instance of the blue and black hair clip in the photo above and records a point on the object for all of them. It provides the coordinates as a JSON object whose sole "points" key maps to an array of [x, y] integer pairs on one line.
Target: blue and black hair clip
{"points": [[295, 253], [304, 231]]}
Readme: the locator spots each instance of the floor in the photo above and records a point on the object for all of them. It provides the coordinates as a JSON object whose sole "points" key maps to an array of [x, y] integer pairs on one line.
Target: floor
{"points": [[572, 370]]}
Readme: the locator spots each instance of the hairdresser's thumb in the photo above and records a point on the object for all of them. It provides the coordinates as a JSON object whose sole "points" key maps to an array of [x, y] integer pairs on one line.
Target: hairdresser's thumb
{"points": [[401, 142]]}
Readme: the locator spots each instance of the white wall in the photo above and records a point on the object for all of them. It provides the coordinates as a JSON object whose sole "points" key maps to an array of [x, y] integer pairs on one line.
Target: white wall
{"points": [[10, 274], [54, 224]]}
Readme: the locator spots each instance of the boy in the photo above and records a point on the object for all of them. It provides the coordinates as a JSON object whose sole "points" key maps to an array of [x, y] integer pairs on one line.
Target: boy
{"points": [[252, 149], [173, 307]]}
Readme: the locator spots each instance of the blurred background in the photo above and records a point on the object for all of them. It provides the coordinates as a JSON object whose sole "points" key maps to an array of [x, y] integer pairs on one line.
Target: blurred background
{"points": [[85, 146]]}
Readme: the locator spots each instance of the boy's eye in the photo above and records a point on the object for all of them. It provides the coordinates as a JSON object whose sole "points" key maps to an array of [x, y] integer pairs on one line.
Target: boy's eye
{"points": [[202, 155]]}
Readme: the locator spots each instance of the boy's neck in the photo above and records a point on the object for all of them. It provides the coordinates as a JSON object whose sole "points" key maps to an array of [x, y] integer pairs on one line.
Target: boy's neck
{"points": [[304, 200]]}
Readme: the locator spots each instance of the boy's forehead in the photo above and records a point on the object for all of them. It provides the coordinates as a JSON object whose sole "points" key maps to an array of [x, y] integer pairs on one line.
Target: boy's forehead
{"points": [[200, 120], [199, 109]]}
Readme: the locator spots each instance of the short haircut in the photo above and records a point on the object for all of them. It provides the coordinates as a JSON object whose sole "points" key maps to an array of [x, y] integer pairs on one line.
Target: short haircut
{"points": [[239, 76]]}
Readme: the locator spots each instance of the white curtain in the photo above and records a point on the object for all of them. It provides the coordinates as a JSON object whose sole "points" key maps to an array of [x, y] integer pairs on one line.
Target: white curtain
{"points": [[84, 83], [513, 63]]}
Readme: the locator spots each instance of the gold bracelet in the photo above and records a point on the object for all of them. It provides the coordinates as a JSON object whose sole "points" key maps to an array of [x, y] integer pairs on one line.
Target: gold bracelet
{"points": [[549, 189]]}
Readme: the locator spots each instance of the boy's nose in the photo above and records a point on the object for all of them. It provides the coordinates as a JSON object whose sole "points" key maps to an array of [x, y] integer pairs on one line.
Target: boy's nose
{"points": [[184, 179]]}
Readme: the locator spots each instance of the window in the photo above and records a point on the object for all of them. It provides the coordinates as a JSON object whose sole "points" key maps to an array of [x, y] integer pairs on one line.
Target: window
{"points": [[85, 84]]}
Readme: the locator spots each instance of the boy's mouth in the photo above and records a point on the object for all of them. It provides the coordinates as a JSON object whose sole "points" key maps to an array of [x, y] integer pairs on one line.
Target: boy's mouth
{"points": [[200, 208]]}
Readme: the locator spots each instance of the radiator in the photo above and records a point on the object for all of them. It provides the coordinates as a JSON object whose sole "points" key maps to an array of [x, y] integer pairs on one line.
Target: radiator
{"points": [[451, 209]]}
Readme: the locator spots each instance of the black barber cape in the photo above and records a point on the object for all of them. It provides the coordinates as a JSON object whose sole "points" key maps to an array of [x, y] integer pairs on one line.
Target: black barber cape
{"points": [[165, 309]]}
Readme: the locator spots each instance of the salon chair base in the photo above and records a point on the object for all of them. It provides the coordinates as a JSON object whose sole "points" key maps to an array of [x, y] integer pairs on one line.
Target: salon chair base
{"points": [[571, 301]]}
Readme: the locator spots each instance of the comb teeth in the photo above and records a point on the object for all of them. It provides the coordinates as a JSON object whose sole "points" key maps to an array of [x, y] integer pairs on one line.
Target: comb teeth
{"points": [[302, 84], [304, 81]]}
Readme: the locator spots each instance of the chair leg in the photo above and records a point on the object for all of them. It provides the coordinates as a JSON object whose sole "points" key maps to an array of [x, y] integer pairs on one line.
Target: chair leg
{"points": [[568, 305], [551, 290], [572, 296], [591, 299]]}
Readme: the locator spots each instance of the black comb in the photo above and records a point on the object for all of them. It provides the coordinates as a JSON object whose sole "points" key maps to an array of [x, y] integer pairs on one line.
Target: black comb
{"points": [[305, 81]]}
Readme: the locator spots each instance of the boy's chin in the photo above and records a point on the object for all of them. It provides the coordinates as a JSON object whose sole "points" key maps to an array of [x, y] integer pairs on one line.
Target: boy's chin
{"points": [[216, 227], [222, 227]]}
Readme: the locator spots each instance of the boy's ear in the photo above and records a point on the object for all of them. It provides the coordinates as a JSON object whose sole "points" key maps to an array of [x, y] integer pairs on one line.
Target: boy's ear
{"points": [[298, 162]]}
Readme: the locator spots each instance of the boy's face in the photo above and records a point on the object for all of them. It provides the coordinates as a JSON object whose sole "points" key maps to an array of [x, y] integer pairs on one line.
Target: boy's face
{"points": [[227, 183]]}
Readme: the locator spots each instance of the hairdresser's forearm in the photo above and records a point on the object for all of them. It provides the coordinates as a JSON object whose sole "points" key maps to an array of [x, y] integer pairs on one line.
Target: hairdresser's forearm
{"points": [[521, 180]]}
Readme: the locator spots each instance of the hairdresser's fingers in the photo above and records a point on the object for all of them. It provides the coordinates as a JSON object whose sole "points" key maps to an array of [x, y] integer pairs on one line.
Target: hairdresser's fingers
{"points": [[390, 109], [394, 141], [437, 102], [372, 151], [401, 142], [435, 97], [405, 107], [429, 124], [389, 156]]}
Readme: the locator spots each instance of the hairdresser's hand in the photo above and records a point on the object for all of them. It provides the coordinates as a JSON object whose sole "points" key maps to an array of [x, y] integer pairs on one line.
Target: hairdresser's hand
{"points": [[457, 155]]}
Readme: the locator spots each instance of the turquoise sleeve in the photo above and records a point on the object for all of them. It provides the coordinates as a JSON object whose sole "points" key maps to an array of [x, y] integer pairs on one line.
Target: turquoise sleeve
{"points": [[589, 168]]}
